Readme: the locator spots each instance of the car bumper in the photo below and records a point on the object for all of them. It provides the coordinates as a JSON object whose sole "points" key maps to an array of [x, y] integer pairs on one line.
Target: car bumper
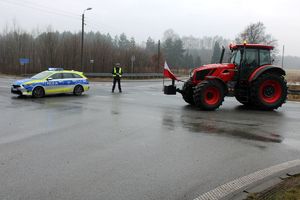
{"points": [[86, 87], [20, 91]]}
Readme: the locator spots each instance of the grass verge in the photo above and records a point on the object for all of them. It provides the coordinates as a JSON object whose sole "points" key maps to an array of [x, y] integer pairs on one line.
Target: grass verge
{"points": [[288, 189]]}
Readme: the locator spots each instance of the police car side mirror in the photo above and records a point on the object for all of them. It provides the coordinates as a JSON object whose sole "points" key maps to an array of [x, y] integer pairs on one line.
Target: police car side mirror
{"points": [[49, 79]]}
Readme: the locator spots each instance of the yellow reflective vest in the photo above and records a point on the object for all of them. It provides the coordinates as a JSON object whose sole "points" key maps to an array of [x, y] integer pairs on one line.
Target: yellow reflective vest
{"points": [[119, 73]]}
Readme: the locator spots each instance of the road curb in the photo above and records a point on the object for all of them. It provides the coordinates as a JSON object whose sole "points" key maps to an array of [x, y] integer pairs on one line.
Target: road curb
{"points": [[232, 188]]}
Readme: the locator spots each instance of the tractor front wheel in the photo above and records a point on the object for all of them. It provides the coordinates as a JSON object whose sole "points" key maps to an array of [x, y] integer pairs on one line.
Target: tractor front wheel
{"points": [[209, 95], [187, 92], [269, 91]]}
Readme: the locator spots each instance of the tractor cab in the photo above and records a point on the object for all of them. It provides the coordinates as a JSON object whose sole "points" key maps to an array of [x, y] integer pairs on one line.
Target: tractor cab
{"points": [[248, 57]]}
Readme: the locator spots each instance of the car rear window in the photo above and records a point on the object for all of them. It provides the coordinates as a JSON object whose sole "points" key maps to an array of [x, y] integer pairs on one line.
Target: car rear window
{"points": [[77, 76]]}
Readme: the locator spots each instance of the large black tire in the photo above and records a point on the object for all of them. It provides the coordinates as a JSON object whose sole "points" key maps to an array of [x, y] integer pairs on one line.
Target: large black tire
{"points": [[38, 92], [78, 90], [269, 91], [240, 99], [187, 92], [209, 95]]}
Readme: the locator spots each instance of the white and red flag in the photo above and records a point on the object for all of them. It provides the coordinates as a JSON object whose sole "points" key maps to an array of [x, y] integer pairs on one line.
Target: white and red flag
{"points": [[168, 73]]}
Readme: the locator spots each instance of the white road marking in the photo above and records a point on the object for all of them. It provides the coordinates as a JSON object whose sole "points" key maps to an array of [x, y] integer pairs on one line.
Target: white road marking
{"points": [[242, 182]]}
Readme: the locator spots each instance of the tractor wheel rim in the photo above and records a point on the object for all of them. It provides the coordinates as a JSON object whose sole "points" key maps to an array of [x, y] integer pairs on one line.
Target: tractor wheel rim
{"points": [[270, 91], [211, 95]]}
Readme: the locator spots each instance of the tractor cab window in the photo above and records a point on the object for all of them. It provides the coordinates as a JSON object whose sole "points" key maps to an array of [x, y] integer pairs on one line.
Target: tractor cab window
{"points": [[265, 57], [236, 57], [251, 58]]}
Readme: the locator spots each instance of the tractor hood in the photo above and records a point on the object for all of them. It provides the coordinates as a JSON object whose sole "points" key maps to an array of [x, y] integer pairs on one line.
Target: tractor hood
{"points": [[224, 71], [216, 66]]}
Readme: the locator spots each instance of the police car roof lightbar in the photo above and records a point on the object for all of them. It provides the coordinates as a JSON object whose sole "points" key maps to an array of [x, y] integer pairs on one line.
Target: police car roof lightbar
{"points": [[55, 69]]}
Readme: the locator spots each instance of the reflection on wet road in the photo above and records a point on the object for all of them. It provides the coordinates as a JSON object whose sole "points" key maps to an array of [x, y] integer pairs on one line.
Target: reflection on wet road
{"points": [[139, 144], [250, 126]]}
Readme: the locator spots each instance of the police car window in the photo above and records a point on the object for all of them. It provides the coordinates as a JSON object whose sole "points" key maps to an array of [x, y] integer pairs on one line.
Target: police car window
{"points": [[77, 76], [68, 75], [57, 76]]}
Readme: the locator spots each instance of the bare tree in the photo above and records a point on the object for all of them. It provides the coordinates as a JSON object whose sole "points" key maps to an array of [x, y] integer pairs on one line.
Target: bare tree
{"points": [[255, 33]]}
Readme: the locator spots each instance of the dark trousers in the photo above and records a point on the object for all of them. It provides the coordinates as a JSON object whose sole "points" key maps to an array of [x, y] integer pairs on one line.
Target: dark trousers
{"points": [[116, 79]]}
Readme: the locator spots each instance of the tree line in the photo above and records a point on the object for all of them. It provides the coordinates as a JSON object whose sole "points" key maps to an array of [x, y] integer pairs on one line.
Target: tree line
{"points": [[101, 51], [55, 49]]}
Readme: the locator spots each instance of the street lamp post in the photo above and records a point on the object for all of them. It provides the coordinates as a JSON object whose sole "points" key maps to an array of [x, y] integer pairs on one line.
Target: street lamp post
{"points": [[82, 38]]}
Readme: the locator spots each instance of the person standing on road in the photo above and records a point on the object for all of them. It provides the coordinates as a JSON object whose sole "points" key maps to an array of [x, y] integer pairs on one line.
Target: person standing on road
{"points": [[117, 74]]}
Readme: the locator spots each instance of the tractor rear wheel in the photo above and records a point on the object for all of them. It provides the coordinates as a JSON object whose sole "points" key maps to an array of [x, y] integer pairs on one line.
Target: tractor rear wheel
{"points": [[269, 91], [187, 92], [209, 95]]}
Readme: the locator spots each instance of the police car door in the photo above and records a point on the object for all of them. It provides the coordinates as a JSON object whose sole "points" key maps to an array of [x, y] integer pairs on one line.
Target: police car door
{"points": [[55, 84], [69, 82]]}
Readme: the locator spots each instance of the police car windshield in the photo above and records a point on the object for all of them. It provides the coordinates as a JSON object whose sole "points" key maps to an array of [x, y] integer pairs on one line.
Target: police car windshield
{"points": [[41, 75]]}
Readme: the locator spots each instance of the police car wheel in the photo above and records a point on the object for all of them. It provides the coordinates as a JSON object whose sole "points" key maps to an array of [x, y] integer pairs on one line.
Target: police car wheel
{"points": [[78, 90], [38, 92]]}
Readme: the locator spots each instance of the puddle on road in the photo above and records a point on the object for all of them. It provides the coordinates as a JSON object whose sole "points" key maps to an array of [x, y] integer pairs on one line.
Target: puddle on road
{"points": [[240, 132], [228, 124]]}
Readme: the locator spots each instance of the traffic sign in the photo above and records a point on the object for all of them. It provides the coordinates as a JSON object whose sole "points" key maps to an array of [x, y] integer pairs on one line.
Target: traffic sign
{"points": [[24, 61]]}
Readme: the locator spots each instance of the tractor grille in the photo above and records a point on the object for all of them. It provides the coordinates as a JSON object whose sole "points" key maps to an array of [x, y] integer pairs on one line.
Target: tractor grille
{"points": [[200, 75]]}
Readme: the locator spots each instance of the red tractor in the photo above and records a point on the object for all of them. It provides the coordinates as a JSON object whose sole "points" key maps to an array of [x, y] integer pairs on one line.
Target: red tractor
{"points": [[250, 77]]}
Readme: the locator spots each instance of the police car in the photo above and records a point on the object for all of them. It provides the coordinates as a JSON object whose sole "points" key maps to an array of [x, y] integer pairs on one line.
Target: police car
{"points": [[52, 81]]}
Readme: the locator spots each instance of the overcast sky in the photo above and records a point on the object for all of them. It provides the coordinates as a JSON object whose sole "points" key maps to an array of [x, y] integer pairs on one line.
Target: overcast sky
{"points": [[143, 18]]}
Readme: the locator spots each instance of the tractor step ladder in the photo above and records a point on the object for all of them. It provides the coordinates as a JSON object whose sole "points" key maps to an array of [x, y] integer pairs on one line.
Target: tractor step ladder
{"points": [[243, 93]]}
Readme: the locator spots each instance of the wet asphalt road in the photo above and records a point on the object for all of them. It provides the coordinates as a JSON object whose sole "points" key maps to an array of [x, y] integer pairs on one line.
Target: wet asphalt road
{"points": [[139, 144]]}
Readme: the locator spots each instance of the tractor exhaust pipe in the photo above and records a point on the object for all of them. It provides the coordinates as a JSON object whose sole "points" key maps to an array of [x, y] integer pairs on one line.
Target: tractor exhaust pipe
{"points": [[222, 54]]}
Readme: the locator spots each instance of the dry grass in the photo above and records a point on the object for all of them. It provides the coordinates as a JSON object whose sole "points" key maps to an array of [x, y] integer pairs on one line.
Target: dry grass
{"points": [[293, 76], [289, 189]]}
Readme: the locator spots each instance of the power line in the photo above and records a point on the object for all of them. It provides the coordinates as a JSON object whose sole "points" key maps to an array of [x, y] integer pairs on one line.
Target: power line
{"points": [[41, 9], [47, 8]]}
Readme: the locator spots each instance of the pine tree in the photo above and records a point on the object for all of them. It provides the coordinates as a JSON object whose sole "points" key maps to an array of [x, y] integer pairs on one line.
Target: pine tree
{"points": [[216, 53], [198, 61]]}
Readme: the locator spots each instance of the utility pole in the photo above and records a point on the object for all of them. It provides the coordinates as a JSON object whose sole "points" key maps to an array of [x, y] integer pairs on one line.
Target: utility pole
{"points": [[132, 61], [158, 55], [82, 38], [282, 59]]}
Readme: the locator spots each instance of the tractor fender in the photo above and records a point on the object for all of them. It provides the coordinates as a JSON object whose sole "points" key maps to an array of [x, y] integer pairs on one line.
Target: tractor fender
{"points": [[266, 69], [218, 80]]}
